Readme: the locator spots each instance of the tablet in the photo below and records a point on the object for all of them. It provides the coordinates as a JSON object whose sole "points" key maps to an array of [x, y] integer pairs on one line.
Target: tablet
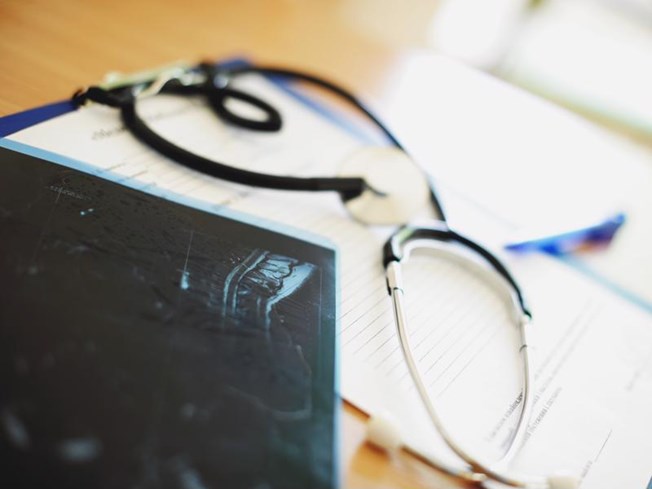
{"points": [[146, 343]]}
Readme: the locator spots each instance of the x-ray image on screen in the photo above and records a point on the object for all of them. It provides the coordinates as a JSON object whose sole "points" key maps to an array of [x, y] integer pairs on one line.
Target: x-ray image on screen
{"points": [[148, 344]]}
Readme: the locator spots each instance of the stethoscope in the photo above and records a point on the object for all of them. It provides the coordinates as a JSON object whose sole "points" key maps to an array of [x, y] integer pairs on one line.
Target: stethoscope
{"points": [[379, 185]]}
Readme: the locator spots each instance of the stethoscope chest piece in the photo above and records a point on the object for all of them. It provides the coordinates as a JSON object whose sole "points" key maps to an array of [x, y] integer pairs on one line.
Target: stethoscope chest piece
{"points": [[396, 188]]}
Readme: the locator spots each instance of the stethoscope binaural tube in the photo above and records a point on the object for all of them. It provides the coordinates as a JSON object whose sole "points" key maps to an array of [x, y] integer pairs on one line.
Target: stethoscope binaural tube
{"points": [[397, 249]]}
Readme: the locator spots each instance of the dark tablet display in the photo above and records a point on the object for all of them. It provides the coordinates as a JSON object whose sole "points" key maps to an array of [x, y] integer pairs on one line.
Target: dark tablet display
{"points": [[144, 343]]}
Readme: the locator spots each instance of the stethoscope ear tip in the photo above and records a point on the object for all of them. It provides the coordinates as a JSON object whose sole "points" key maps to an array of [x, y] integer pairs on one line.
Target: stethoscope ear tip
{"points": [[383, 432], [563, 481]]}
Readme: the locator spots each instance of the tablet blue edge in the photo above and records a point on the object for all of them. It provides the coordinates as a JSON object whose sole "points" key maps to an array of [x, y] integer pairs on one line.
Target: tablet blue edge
{"points": [[22, 120]]}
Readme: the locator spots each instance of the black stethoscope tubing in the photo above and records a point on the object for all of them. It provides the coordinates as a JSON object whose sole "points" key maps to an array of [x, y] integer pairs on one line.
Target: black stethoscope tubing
{"points": [[217, 93]]}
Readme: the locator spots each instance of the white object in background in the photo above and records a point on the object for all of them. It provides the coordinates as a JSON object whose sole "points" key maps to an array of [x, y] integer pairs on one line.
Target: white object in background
{"points": [[589, 57], [477, 32]]}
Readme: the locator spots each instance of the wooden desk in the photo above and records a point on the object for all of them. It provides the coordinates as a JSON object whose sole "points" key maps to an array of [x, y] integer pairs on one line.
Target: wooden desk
{"points": [[50, 48]]}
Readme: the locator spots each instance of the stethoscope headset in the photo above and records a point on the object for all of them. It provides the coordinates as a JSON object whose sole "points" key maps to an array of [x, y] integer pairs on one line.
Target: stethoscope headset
{"points": [[378, 185]]}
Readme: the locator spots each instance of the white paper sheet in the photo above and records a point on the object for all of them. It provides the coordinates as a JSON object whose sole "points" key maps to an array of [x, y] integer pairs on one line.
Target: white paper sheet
{"points": [[526, 160], [592, 350]]}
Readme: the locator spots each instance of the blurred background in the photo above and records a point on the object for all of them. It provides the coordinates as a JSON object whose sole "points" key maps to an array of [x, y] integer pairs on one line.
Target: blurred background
{"points": [[592, 56]]}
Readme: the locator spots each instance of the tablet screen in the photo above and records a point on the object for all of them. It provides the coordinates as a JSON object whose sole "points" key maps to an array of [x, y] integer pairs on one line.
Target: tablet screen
{"points": [[145, 343]]}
